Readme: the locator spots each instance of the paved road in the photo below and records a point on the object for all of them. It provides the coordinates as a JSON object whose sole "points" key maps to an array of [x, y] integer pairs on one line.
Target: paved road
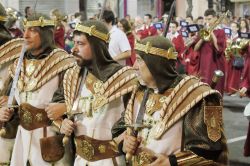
{"points": [[236, 126]]}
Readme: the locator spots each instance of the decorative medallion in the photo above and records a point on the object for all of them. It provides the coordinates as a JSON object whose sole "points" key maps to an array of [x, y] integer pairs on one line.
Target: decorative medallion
{"points": [[39, 117], [27, 117], [98, 86], [102, 148], [87, 150], [143, 158]]}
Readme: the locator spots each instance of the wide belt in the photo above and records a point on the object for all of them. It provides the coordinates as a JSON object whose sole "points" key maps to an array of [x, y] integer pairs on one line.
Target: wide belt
{"points": [[93, 150], [32, 118]]}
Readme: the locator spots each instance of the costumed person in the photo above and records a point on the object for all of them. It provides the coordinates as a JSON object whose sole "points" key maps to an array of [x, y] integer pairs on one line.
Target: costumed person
{"points": [[59, 33], [4, 33], [233, 57], [245, 91], [172, 126], [211, 51], [94, 92], [177, 39], [40, 78], [148, 28]]}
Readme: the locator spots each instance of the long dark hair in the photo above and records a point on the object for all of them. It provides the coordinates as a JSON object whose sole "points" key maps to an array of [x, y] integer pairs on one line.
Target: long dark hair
{"points": [[247, 26], [126, 25], [46, 33], [102, 64]]}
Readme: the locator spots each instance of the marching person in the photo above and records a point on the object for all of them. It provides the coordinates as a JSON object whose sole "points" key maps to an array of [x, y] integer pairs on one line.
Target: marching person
{"points": [[211, 51], [173, 127], [94, 92], [41, 70]]}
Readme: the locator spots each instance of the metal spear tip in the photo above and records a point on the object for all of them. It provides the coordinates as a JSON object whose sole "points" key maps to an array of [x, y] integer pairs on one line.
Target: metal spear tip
{"points": [[218, 73]]}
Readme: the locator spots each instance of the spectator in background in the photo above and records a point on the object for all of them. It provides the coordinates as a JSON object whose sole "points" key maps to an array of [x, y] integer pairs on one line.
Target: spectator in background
{"points": [[59, 32], [178, 43], [148, 28], [128, 18], [125, 26], [190, 19], [27, 11], [155, 19], [244, 27], [200, 21], [119, 47]]}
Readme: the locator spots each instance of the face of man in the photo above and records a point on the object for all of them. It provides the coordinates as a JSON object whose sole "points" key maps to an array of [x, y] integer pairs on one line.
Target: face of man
{"points": [[81, 50], [32, 39], [209, 20], [144, 75], [200, 21], [29, 12], [147, 20], [234, 27], [172, 28]]}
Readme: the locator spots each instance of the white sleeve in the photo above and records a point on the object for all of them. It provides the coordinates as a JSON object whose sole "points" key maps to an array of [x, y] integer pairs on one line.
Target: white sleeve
{"points": [[123, 42]]}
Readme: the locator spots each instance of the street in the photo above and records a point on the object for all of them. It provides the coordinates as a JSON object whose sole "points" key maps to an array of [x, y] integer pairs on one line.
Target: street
{"points": [[236, 126]]}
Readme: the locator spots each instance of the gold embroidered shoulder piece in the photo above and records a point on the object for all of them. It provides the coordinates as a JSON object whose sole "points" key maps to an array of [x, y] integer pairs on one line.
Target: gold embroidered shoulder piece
{"points": [[35, 73], [122, 82], [70, 85], [173, 107], [184, 96], [10, 50]]}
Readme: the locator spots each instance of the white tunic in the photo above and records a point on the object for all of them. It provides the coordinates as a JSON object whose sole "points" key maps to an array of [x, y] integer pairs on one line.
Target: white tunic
{"points": [[98, 127], [27, 145], [169, 143]]}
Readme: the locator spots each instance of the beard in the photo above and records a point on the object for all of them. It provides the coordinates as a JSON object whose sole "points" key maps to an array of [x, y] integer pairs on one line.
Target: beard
{"points": [[81, 62]]}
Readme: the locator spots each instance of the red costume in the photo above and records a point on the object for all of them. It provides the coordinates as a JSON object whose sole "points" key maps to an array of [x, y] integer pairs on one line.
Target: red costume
{"points": [[147, 31], [246, 83], [59, 37], [212, 59], [193, 61], [233, 75], [179, 47], [131, 60]]}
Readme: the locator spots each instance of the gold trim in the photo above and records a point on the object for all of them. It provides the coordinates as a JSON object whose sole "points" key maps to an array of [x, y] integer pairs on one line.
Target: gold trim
{"points": [[3, 18], [149, 49], [38, 23], [92, 32]]}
